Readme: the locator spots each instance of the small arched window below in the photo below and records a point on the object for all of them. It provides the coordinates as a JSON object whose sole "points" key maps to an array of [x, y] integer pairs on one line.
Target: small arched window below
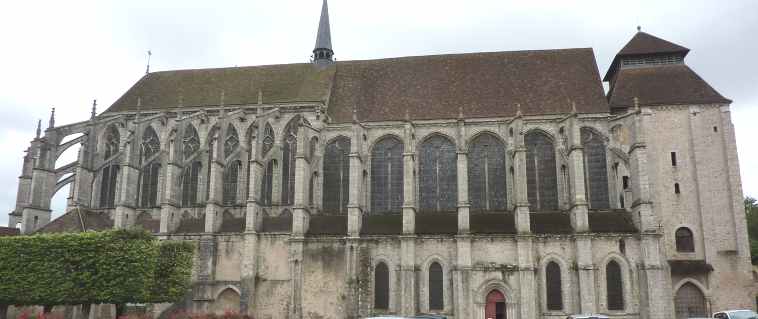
{"points": [[436, 296], [381, 287], [553, 286], [684, 241], [614, 286]]}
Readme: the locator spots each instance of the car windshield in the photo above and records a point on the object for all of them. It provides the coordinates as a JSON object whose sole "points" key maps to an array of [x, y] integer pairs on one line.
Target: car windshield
{"points": [[743, 314]]}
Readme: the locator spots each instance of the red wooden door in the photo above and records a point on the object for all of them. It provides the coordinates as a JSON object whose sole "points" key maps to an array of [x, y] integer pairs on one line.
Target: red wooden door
{"points": [[495, 308]]}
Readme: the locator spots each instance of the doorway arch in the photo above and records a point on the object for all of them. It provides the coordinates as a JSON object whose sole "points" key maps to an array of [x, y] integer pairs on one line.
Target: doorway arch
{"points": [[495, 307]]}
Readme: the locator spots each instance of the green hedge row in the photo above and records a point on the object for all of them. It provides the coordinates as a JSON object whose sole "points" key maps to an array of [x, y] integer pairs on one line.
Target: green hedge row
{"points": [[115, 267]]}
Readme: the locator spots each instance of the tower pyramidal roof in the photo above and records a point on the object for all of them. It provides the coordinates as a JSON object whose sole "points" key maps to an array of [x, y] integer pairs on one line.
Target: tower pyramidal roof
{"points": [[322, 52]]}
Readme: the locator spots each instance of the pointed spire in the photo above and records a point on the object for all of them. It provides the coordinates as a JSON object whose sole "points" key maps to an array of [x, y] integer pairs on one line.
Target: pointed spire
{"points": [[39, 128], [322, 52], [94, 109], [51, 124]]}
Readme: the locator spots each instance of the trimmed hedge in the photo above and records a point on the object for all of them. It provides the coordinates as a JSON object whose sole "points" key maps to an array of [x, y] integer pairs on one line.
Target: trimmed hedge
{"points": [[173, 271], [115, 267]]}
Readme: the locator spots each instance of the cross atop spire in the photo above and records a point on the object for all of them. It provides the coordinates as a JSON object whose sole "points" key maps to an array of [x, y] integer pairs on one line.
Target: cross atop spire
{"points": [[322, 52]]}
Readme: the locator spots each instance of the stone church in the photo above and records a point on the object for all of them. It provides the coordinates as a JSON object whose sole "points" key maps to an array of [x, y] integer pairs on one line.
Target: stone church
{"points": [[477, 185]]}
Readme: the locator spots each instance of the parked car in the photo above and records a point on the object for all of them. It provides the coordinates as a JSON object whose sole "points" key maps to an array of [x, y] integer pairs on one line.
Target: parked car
{"points": [[429, 317], [595, 316], [735, 314]]}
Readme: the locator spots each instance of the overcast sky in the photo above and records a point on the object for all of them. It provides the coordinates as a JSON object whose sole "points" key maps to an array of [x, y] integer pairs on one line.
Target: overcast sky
{"points": [[66, 53]]}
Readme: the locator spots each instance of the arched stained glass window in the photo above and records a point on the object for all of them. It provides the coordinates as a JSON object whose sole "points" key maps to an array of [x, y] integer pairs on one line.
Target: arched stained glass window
{"points": [[486, 173], [149, 185], [553, 286], [149, 174], [267, 183], [190, 142], [381, 287], [109, 173], [108, 184], [541, 180], [614, 286], [151, 145], [438, 175], [684, 240], [387, 176], [289, 150], [436, 289], [190, 179], [231, 173], [595, 169], [336, 176], [690, 302], [268, 139], [112, 139], [231, 141]]}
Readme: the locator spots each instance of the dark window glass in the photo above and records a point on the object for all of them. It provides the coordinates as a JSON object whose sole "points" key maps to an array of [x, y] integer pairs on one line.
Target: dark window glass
{"points": [[151, 145], [190, 179], [149, 185], [190, 142], [438, 175], [230, 182], [486, 173], [595, 169], [310, 189], [436, 299], [336, 176], [673, 158], [267, 183], [112, 139], [625, 182], [381, 287], [614, 286], [289, 151], [676, 188], [231, 141], [268, 139], [541, 180], [108, 186], [553, 286], [387, 176], [684, 240], [690, 302]]}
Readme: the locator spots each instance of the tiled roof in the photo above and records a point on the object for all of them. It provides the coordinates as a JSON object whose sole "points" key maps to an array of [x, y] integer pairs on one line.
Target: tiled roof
{"points": [[327, 225], [382, 224], [689, 267], [71, 222], [191, 226], [550, 223], [643, 43], [9, 231], [285, 83], [662, 85], [492, 223], [611, 222], [426, 87], [482, 84], [232, 225]]}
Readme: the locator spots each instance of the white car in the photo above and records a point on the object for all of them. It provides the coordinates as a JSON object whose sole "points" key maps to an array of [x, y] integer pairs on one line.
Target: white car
{"points": [[735, 314], [587, 317]]}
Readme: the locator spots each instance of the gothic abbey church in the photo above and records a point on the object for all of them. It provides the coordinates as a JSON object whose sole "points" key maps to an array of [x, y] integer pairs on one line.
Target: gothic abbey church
{"points": [[477, 185]]}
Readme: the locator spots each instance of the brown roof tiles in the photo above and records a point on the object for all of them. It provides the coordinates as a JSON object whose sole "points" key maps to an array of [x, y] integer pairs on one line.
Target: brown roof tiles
{"points": [[427, 87], [662, 85]]}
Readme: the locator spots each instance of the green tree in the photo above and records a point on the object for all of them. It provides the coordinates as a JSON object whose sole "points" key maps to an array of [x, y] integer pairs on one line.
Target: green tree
{"points": [[751, 212], [112, 267]]}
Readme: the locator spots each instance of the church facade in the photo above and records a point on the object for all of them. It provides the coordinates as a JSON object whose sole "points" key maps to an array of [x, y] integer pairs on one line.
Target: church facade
{"points": [[478, 185]]}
